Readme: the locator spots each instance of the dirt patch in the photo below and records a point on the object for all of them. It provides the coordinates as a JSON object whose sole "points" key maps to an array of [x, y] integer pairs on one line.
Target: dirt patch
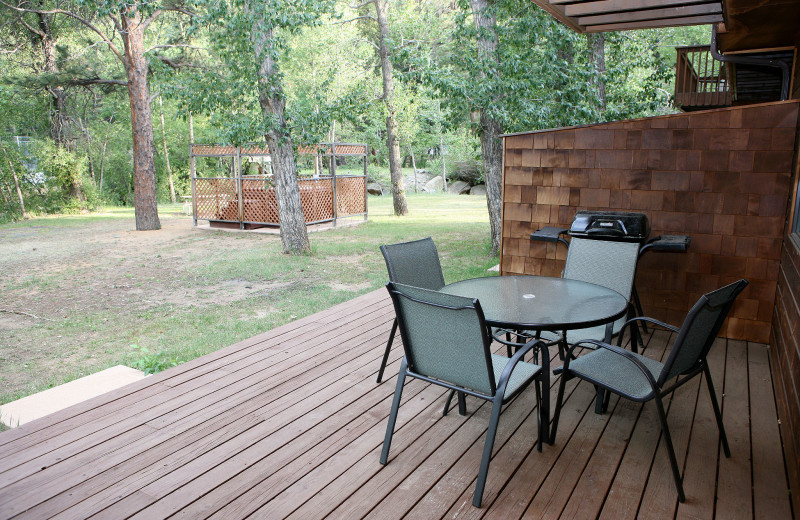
{"points": [[54, 273]]}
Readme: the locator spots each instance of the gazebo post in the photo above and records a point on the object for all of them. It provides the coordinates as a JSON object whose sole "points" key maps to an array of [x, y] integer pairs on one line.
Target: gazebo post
{"points": [[192, 174], [333, 182], [238, 169], [366, 157]]}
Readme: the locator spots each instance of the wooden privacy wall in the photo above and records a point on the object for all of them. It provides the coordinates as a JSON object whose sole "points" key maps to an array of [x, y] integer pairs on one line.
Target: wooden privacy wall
{"points": [[723, 177]]}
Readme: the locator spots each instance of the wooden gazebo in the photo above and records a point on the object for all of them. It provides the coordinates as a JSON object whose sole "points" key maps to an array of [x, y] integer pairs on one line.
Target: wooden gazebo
{"points": [[233, 195]]}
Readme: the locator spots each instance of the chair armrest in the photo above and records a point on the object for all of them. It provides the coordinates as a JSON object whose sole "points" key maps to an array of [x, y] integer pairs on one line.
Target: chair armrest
{"points": [[648, 320], [550, 234]]}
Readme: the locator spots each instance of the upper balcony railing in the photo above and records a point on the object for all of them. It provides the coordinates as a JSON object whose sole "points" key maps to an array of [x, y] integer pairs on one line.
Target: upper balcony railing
{"points": [[700, 81]]}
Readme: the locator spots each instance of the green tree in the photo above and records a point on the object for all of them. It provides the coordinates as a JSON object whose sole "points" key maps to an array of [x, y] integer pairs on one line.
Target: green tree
{"points": [[247, 41], [130, 22]]}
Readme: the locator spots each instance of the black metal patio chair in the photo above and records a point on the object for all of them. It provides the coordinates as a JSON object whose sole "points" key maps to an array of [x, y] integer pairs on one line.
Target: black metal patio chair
{"points": [[639, 378], [446, 343], [413, 263]]}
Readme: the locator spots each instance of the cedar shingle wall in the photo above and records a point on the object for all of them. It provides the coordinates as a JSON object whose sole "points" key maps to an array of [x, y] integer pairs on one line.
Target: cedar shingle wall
{"points": [[723, 177], [785, 354]]}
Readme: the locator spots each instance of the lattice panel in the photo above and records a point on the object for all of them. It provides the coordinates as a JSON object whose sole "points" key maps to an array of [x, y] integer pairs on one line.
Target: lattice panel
{"points": [[213, 150], [345, 149], [259, 203], [216, 199], [316, 197], [350, 199]]}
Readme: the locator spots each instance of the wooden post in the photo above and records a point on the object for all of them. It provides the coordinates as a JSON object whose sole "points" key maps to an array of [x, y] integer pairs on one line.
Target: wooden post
{"points": [[333, 182], [366, 158], [192, 169], [237, 166]]}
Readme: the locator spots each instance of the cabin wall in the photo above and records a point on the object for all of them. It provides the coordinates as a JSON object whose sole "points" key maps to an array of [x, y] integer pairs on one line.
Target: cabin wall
{"points": [[723, 177], [785, 354], [728, 178]]}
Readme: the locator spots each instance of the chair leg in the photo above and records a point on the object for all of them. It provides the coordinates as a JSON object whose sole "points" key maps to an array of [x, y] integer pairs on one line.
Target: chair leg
{"points": [[447, 403], [398, 392], [462, 403], [388, 348], [599, 399], [487, 451], [673, 461], [717, 413], [539, 422], [559, 403], [639, 310]]}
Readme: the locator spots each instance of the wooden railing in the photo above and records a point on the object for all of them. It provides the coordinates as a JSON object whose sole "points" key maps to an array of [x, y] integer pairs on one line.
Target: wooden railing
{"points": [[700, 80]]}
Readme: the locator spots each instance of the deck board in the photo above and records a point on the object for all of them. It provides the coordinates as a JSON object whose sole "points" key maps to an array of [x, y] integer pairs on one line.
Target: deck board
{"points": [[290, 423]]}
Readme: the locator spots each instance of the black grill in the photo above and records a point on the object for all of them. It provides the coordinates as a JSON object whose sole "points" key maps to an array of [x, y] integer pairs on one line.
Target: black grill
{"points": [[610, 225]]}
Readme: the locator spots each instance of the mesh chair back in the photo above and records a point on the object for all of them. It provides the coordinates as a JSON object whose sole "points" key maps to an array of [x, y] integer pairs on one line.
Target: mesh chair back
{"points": [[444, 337], [699, 330], [414, 263], [603, 262]]}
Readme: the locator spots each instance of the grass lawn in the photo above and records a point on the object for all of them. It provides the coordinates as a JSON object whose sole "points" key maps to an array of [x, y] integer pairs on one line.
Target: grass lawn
{"points": [[83, 293]]}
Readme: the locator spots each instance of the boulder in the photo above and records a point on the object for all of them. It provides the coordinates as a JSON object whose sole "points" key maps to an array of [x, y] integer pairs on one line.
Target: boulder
{"points": [[373, 188], [434, 185], [458, 187], [480, 189]]}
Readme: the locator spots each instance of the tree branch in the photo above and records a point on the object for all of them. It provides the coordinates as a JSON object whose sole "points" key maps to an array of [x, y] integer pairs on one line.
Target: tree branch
{"points": [[76, 16], [12, 51], [152, 17], [176, 64], [31, 28], [365, 17], [85, 82], [184, 46], [363, 40], [359, 6]]}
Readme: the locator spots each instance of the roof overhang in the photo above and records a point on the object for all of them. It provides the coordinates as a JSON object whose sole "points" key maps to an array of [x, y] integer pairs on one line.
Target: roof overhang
{"points": [[743, 24], [623, 15]]}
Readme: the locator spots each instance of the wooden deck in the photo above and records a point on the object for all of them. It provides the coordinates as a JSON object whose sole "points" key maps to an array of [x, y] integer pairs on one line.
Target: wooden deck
{"points": [[289, 424]]}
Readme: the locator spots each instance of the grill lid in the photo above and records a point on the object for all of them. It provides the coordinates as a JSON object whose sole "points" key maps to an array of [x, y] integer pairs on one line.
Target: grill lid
{"points": [[610, 225]]}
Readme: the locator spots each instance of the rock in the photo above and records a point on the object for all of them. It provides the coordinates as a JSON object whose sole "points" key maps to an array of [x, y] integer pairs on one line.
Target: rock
{"points": [[458, 187], [480, 189], [434, 185], [373, 188]]}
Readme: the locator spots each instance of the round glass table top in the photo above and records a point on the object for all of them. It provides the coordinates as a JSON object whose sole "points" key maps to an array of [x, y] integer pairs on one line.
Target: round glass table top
{"points": [[540, 302]]}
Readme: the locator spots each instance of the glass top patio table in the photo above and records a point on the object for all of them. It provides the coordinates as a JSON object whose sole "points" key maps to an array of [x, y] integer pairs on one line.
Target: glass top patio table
{"points": [[524, 303], [541, 302]]}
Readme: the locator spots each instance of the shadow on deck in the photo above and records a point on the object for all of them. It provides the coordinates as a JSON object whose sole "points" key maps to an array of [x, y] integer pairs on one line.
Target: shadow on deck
{"points": [[289, 424]]}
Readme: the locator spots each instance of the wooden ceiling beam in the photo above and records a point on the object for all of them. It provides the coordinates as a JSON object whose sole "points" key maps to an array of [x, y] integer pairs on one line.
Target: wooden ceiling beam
{"points": [[611, 6], [669, 22], [652, 14]]}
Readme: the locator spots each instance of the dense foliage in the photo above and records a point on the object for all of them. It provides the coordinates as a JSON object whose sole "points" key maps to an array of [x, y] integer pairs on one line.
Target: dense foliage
{"points": [[73, 105]]}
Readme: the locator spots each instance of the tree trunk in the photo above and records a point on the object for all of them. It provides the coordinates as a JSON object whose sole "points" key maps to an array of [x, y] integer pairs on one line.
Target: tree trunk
{"points": [[492, 152], [58, 115], [103, 161], [597, 46], [16, 183], [166, 151], [414, 167], [491, 146], [144, 170], [85, 130], [392, 141], [6, 194], [294, 236]]}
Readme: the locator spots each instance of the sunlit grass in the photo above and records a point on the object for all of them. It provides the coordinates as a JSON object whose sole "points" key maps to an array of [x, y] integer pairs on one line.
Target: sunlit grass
{"points": [[345, 262]]}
